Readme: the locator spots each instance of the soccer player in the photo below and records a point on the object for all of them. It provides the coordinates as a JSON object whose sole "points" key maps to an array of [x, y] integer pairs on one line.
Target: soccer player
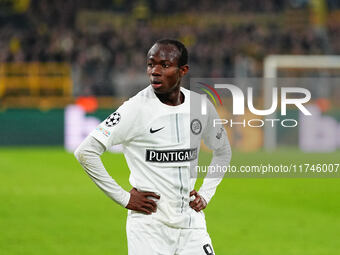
{"points": [[161, 140]]}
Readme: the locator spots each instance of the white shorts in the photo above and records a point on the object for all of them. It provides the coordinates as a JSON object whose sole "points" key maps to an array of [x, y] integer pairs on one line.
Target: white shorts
{"points": [[155, 238]]}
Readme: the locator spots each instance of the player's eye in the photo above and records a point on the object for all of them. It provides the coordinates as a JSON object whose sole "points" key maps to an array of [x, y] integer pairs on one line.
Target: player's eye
{"points": [[149, 64], [165, 65]]}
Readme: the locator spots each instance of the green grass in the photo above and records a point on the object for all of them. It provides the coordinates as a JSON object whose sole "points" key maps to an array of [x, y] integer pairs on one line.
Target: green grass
{"points": [[48, 205]]}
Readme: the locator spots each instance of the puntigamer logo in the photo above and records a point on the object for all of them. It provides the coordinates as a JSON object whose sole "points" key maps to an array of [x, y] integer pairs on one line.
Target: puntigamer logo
{"points": [[240, 100], [166, 156]]}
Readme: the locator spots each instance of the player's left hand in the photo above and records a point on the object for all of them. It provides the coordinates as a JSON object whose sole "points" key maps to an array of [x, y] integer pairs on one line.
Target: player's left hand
{"points": [[198, 203]]}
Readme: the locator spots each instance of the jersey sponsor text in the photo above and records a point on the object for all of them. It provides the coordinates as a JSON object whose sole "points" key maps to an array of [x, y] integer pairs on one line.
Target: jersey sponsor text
{"points": [[163, 156]]}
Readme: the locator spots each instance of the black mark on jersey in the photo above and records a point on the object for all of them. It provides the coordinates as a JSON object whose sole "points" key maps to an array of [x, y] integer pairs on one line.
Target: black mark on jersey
{"points": [[113, 119], [196, 126], [219, 134], [207, 249], [155, 130]]}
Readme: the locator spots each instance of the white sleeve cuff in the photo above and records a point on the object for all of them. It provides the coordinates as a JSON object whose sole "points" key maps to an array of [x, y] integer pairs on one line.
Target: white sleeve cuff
{"points": [[125, 198]]}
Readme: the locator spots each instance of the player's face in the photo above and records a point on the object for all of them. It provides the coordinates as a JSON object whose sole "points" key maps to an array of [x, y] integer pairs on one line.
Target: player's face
{"points": [[163, 70]]}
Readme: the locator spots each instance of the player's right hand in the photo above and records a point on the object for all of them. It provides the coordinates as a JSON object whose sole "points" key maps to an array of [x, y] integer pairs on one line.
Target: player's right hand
{"points": [[141, 201]]}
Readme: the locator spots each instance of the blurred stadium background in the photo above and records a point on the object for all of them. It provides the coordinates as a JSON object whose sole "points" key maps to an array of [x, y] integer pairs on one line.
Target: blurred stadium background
{"points": [[66, 65]]}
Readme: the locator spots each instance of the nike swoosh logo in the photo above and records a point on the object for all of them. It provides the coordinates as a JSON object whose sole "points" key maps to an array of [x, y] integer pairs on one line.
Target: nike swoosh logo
{"points": [[155, 130]]}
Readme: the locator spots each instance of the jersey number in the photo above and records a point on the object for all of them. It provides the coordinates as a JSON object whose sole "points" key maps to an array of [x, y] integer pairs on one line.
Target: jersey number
{"points": [[207, 249]]}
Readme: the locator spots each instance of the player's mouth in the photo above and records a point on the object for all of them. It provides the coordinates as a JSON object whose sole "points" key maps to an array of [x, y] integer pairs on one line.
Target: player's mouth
{"points": [[156, 84]]}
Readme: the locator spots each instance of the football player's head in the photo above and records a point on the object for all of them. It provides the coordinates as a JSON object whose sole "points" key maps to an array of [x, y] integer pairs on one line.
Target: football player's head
{"points": [[167, 63], [182, 50]]}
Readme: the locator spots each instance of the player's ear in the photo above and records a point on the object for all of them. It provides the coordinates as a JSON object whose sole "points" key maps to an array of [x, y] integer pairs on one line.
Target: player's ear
{"points": [[183, 70]]}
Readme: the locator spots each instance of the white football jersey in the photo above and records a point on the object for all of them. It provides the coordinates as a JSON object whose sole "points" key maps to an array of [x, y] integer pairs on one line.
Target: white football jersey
{"points": [[160, 144]]}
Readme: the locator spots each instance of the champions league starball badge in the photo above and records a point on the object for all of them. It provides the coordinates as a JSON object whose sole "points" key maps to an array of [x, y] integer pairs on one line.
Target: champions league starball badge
{"points": [[196, 126], [113, 119]]}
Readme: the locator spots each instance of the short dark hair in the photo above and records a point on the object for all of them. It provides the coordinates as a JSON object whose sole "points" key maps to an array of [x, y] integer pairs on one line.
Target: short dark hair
{"points": [[183, 58]]}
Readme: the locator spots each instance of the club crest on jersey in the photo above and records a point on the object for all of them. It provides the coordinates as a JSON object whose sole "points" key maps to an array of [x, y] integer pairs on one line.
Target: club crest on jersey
{"points": [[113, 119], [196, 126]]}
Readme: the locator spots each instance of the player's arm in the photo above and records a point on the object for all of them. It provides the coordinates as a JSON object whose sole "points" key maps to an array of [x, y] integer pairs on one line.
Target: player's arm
{"points": [[215, 137], [221, 157], [88, 154], [118, 128]]}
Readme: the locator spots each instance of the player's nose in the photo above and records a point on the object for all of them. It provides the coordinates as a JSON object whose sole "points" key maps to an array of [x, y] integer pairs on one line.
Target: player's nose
{"points": [[156, 71]]}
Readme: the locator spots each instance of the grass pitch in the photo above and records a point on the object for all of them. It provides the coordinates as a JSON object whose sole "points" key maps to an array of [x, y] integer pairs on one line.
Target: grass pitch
{"points": [[48, 205]]}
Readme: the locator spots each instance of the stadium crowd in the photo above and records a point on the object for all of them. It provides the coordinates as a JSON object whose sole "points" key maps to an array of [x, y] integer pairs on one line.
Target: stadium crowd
{"points": [[106, 58]]}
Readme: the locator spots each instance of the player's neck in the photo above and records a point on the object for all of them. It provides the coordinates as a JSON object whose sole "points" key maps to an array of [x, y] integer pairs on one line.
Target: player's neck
{"points": [[174, 98]]}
